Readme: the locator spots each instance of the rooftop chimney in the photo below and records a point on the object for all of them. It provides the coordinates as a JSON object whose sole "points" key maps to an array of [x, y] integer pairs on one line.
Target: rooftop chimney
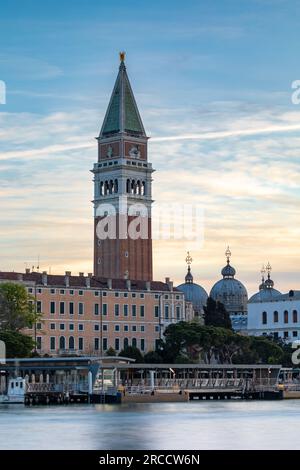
{"points": [[44, 278], [128, 284], [27, 270], [81, 274], [88, 282], [148, 285], [109, 283], [170, 284]]}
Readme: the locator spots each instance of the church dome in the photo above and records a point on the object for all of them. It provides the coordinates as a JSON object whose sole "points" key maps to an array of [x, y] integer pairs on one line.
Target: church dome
{"points": [[230, 291], [193, 292], [266, 293]]}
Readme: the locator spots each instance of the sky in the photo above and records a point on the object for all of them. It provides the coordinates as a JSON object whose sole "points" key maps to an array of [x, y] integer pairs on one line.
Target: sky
{"points": [[213, 82]]}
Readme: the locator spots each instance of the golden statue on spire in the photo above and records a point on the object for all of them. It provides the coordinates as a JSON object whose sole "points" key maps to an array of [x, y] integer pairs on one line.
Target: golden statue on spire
{"points": [[188, 259], [228, 254], [122, 56]]}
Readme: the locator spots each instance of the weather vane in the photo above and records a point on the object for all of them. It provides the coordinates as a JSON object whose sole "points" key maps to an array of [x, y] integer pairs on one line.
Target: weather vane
{"points": [[263, 271], [188, 259], [269, 268], [122, 56], [228, 254]]}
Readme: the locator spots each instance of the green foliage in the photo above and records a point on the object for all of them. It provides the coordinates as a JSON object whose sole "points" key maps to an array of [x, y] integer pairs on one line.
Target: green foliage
{"points": [[17, 344], [192, 342], [153, 357], [16, 307], [110, 352], [133, 353], [215, 314]]}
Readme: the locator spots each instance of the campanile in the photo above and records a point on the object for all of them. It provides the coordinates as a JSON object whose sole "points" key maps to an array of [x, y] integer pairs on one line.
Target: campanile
{"points": [[122, 189]]}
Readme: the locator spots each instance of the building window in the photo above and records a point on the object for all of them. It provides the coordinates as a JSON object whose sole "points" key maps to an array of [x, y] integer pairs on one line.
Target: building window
{"points": [[125, 294], [285, 316], [117, 310], [52, 291], [39, 342], [71, 342], [133, 328], [96, 327], [96, 293], [142, 310], [104, 309], [80, 344], [276, 335], [285, 334], [104, 344], [62, 343], [39, 306], [167, 312], [80, 327], [117, 327], [39, 291], [71, 326], [295, 334], [96, 309], [264, 318], [133, 295], [116, 294], [52, 308], [295, 316], [80, 308], [71, 292], [52, 343], [126, 343], [104, 327], [156, 311], [275, 316], [142, 344], [126, 328], [125, 310], [157, 328], [156, 296], [80, 292], [71, 308], [96, 344], [104, 294], [142, 328], [61, 308], [178, 312], [117, 344], [134, 342], [133, 310], [62, 291], [52, 326], [142, 296], [30, 290], [61, 326]]}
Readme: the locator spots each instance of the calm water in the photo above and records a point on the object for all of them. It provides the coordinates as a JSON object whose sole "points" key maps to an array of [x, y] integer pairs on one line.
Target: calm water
{"points": [[212, 425]]}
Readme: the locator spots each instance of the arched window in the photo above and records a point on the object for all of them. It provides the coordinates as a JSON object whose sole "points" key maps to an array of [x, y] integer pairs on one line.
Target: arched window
{"points": [[143, 188], [62, 342], [125, 343], [134, 342], [178, 311], [71, 342], [285, 316], [128, 186], [106, 188], [275, 317], [116, 186], [295, 316], [111, 187], [138, 187], [264, 318], [101, 188]]}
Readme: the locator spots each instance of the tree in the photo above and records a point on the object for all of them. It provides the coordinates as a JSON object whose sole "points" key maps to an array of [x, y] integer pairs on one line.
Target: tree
{"points": [[17, 344], [215, 314], [153, 357], [110, 352], [133, 353], [16, 307]]}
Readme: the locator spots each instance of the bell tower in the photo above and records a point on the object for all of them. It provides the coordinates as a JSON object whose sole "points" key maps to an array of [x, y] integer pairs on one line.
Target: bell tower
{"points": [[122, 189]]}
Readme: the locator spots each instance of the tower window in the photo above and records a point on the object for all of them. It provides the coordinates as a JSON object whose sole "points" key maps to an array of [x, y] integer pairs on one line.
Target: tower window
{"points": [[285, 316], [264, 318], [295, 316]]}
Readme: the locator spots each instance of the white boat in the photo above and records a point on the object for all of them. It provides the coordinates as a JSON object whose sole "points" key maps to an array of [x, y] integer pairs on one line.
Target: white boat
{"points": [[15, 392]]}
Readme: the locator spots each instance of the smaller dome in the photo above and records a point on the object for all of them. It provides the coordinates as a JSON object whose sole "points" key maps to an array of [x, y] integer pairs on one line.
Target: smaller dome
{"points": [[189, 277], [264, 295], [195, 294], [228, 271]]}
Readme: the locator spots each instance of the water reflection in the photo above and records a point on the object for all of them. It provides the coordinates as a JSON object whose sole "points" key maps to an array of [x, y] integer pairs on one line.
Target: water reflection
{"points": [[209, 425]]}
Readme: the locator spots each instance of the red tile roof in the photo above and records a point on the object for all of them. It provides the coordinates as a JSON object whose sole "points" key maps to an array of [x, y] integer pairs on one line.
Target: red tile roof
{"points": [[80, 281]]}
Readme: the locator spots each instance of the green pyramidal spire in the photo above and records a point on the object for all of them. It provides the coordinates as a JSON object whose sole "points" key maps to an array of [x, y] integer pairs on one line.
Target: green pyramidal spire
{"points": [[122, 115]]}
